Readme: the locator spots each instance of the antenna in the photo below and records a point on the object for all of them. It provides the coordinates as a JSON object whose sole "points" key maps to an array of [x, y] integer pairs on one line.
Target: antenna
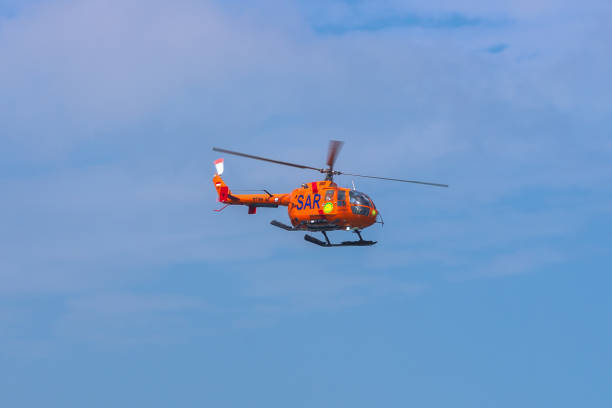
{"points": [[353, 183]]}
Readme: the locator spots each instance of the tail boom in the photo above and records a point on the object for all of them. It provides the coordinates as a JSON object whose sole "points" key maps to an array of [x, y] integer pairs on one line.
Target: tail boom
{"points": [[251, 200]]}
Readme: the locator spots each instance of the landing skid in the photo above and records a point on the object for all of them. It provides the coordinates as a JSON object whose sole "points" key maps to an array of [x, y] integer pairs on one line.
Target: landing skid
{"points": [[327, 243], [361, 242], [283, 226]]}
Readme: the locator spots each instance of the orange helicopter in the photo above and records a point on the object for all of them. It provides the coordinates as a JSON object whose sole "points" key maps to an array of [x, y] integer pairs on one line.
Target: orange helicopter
{"points": [[317, 206]]}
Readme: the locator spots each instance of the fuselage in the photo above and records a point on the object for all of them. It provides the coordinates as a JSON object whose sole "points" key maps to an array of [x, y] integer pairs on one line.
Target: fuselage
{"points": [[322, 205], [315, 206]]}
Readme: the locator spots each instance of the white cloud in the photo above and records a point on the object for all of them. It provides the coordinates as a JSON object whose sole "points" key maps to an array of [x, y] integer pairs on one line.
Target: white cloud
{"points": [[519, 262]]}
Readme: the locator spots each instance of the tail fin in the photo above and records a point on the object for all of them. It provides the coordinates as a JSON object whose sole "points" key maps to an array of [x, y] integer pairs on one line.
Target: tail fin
{"points": [[222, 189], [219, 166]]}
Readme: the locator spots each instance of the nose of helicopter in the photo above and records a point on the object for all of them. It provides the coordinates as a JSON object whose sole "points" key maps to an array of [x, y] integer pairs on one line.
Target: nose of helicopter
{"points": [[373, 216], [373, 210]]}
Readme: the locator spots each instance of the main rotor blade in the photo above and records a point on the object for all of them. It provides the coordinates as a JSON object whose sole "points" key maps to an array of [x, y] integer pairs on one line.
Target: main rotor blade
{"points": [[332, 154], [250, 156], [393, 179]]}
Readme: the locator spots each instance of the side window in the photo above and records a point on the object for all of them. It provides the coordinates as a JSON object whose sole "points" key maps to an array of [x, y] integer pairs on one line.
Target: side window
{"points": [[341, 198], [329, 195]]}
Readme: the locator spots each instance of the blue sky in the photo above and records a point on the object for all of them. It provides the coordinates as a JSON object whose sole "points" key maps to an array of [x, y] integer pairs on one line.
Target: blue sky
{"points": [[120, 286]]}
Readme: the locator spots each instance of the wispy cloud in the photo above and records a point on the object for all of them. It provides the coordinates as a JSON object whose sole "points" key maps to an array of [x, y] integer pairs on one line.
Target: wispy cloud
{"points": [[497, 48], [126, 319], [516, 263], [448, 21]]}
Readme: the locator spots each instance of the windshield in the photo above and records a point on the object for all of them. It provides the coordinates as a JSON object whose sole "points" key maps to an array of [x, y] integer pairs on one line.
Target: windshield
{"points": [[358, 198], [371, 201]]}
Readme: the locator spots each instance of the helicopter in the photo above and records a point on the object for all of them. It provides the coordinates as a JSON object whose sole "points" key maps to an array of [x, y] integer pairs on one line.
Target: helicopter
{"points": [[318, 206]]}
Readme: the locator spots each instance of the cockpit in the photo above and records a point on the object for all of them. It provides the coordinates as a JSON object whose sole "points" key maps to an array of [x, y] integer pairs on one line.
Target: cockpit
{"points": [[361, 204]]}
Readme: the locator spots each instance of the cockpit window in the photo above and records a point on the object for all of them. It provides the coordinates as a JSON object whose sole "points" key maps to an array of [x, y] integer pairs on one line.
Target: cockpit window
{"points": [[329, 195], [341, 198], [358, 198]]}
